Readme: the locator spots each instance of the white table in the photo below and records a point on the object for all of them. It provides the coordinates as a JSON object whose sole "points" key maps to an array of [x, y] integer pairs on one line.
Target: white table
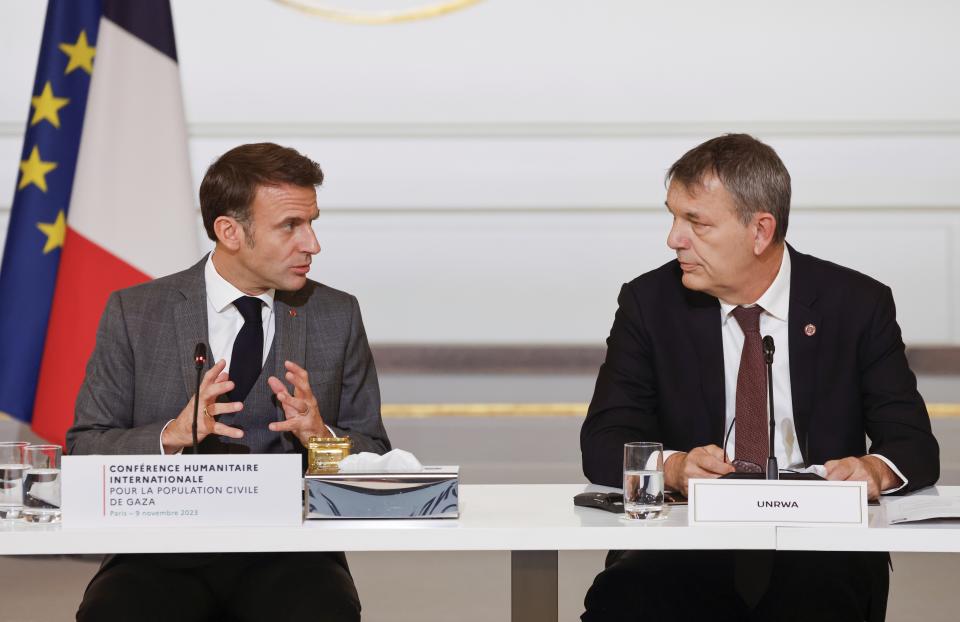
{"points": [[533, 522], [927, 537]]}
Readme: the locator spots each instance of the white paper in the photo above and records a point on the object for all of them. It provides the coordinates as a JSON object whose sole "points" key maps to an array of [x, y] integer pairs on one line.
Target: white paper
{"points": [[921, 507]]}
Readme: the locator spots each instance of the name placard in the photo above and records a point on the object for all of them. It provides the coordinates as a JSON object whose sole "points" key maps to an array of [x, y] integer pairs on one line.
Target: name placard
{"points": [[782, 503], [220, 490]]}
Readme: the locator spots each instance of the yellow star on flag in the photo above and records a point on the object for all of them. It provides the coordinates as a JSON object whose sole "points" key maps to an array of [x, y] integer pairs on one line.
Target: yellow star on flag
{"points": [[55, 231], [80, 53], [34, 171], [47, 106]]}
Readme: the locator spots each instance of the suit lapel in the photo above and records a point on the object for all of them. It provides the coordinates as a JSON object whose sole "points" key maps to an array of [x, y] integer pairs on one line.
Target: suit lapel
{"points": [[703, 324], [290, 344], [291, 332], [190, 315], [804, 319]]}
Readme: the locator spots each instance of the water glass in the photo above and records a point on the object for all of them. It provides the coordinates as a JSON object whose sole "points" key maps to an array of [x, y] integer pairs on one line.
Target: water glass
{"points": [[41, 488], [643, 480], [13, 469]]}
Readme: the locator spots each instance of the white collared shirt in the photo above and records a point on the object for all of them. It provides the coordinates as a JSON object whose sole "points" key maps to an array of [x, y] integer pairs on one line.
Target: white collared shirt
{"points": [[773, 322], [223, 318]]}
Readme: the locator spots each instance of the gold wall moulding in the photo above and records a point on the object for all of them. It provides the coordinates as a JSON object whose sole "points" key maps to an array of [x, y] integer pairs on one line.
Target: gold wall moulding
{"points": [[323, 10], [567, 409]]}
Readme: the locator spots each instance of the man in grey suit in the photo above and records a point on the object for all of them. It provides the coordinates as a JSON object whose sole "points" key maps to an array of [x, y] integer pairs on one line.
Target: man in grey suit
{"points": [[292, 361]]}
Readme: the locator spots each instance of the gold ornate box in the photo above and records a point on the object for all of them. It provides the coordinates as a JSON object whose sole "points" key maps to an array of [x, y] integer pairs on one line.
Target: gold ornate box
{"points": [[324, 454]]}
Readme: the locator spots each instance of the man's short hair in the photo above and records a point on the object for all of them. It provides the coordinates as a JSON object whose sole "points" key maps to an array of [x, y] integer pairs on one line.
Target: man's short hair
{"points": [[751, 171], [230, 184]]}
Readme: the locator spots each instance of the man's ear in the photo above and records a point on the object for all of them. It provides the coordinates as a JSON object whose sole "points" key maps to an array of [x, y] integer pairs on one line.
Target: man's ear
{"points": [[229, 232], [764, 229]]}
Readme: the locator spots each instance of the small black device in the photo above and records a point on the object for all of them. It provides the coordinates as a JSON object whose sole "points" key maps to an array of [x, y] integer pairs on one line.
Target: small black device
{"points": [[773, 471], [606, 501], [199, 359]]}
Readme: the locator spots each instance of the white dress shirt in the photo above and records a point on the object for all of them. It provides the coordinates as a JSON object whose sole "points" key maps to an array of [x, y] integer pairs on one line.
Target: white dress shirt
{"points": [[773, 322], [223, 318]]}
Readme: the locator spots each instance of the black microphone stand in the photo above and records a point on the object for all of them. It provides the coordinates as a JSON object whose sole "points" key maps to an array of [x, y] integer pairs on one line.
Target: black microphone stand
{"points": [[199, 358], [773, 471]]}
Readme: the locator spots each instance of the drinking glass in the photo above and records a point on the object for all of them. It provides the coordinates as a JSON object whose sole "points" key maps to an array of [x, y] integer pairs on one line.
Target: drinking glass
{"points": [[41, 488], [643, 480], [13, 468]]}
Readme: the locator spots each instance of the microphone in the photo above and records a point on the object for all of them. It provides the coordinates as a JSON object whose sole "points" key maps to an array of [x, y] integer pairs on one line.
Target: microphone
{"points": [[199, 359], [773, 471]]}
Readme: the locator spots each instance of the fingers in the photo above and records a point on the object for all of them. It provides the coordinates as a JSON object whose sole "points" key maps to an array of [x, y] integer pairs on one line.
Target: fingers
{"points": [[299, 378], [840, 470], [854, 469], [213, 373], [225, 430], [215, 383], [290, 425], [276, 386], [297, 372], [714, 451], [223, 408], [707, 462]]}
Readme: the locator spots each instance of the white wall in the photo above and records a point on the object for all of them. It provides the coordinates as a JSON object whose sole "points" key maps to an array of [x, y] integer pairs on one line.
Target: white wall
{"points": [[494, 175]]}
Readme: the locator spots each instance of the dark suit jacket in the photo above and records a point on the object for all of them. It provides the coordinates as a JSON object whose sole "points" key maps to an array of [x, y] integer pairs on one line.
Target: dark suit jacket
{"points": [[142, 373], [663, 376]]}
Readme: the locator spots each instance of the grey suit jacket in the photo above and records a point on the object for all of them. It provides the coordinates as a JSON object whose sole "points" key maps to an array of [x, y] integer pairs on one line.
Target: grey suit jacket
{"points": [[142, 372]]}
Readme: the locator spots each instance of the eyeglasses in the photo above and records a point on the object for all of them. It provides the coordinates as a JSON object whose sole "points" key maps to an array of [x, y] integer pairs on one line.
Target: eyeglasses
{"points": [[740, 466]]}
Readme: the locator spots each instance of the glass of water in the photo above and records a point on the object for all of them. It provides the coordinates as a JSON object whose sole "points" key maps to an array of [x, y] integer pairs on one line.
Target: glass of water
{"points": [[41, 487], [643, 480], [13, 468]]}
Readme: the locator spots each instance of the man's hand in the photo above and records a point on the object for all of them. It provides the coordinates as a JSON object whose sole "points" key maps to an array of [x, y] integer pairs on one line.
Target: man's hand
{"points": [[870, 469], [706, 462], [179, 433], [300, 409]]}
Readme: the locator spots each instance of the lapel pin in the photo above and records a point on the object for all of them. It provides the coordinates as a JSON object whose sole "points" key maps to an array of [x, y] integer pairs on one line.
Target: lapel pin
{"points": [[809, 330], [293, 313]]}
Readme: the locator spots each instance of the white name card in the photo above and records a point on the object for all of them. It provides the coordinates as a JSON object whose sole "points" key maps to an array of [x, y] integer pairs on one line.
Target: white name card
{"points": [[783, 503], [217, 490]]}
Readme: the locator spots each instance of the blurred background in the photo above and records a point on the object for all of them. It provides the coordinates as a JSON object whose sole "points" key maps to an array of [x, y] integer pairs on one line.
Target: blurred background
{"points": [[495, 173]]}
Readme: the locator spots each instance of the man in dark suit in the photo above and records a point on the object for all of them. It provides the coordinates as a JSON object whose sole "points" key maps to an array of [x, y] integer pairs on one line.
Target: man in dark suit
{"points": [[684, 362], [292, 362]]}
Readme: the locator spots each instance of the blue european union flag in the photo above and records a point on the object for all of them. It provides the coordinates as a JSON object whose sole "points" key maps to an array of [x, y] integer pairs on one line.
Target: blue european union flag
{"points": [[41, 201]]}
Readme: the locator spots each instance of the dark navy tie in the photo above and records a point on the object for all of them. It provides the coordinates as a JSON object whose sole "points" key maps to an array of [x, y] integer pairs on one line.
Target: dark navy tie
{"points": [[247, 357]]}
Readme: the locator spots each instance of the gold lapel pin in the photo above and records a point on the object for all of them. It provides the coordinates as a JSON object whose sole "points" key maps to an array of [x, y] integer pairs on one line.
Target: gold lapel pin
{"points": [[809, 330]]}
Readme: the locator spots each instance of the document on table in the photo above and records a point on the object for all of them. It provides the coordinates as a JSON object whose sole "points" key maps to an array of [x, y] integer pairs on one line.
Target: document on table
{"points": [[921, 507]]}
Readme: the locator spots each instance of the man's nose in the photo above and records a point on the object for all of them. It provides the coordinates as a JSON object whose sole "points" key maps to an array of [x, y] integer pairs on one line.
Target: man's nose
{"points": [[312, 244], [677, 238]]}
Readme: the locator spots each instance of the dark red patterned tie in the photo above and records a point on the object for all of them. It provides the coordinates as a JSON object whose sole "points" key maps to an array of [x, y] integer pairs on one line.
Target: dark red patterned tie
{"points": [[752, 421]]}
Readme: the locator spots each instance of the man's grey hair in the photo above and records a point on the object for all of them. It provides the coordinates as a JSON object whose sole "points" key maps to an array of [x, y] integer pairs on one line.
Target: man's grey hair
{"points": [[750, 170]]}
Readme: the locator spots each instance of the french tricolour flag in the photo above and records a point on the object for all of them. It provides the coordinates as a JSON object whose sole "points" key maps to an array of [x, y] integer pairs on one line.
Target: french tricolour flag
{"points": [[129, 212]]}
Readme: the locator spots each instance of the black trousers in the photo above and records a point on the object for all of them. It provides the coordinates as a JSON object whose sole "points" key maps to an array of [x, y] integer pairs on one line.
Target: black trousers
{"points": [[234, 587], [695, 585]]}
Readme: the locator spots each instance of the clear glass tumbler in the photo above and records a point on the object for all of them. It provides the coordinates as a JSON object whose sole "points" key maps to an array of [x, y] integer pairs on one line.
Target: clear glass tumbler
{"points": [[643, 480], [13, 469], [41, 489]]}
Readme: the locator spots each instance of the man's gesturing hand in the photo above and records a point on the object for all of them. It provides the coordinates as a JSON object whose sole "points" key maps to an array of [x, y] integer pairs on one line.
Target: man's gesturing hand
{"points": [[870, 469], [179, 433], [703, 462], [300, 409]]}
